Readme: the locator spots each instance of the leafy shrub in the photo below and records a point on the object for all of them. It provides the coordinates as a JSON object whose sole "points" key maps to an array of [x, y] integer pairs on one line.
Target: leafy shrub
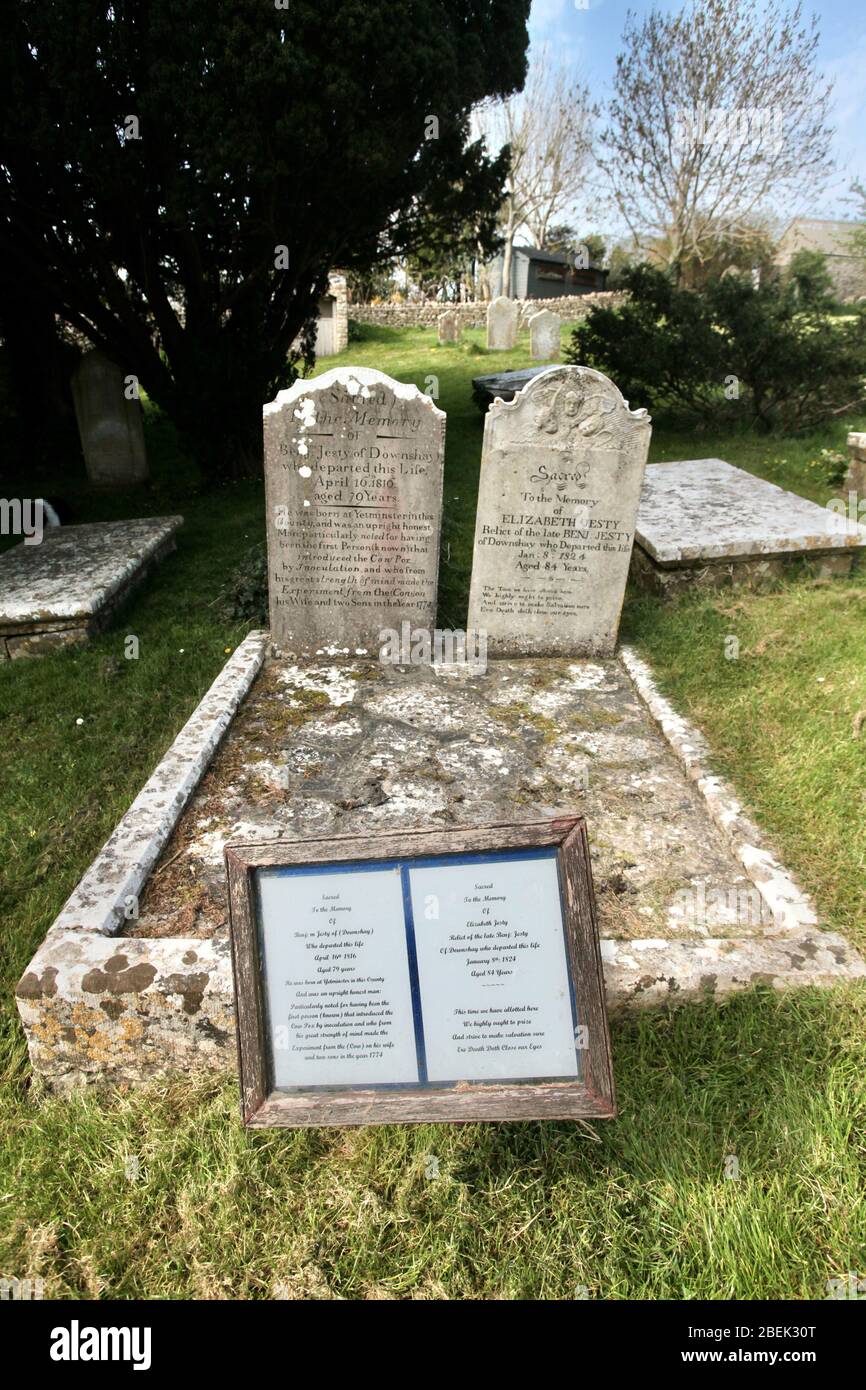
{"points": [[244, 598], [731, 350], [808, 271]]}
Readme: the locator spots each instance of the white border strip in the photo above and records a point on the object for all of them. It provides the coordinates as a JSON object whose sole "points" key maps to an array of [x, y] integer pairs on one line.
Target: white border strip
{"points": [[792, 910], [123, 865]]}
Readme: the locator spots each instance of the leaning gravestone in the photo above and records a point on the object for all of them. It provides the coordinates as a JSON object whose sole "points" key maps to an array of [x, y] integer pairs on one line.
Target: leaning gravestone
{"points": [[561, 473], [109, 424], [449, 327], [353, 478], [544, 335], [501, 324]]}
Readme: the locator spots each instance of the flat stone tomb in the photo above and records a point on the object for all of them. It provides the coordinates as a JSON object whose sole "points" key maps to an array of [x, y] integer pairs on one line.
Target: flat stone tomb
{"points": [[561, 472], [69, 586], [353, 477], [705, 522], [505, 385], [135, 977]]}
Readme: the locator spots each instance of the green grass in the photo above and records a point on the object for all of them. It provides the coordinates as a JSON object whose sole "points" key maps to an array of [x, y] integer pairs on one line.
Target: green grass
{"points": [[639, 1207]]}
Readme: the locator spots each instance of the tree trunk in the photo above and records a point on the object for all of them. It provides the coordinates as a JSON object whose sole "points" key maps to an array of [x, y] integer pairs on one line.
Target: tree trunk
{"points": [[507, 253], [223, 433]]}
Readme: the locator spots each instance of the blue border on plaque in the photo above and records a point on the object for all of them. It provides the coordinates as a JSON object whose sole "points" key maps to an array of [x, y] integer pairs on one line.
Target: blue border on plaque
{"points": [[351, 866]]}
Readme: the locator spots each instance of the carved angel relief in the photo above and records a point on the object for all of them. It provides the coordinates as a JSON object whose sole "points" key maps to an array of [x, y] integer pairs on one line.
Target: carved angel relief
{"points": [[579, 412]]}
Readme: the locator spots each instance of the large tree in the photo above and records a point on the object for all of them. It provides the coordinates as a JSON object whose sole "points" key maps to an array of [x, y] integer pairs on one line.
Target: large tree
{"points": [[177, 176], [718, 112]]}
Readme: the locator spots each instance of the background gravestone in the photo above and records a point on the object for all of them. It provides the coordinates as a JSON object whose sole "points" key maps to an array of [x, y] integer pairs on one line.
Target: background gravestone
{"points": [[112, 435], [544, 335], [449, 327], [353, 479], [561, 473], [855, 480], [501, 324]]}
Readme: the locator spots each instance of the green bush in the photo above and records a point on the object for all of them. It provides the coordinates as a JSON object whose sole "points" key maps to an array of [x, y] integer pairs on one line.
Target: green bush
{"points": [[244, 597], [767, 355]]}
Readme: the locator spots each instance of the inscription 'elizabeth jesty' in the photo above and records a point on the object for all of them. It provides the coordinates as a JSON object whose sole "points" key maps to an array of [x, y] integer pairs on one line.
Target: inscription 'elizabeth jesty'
{"points": [[561, 473]]}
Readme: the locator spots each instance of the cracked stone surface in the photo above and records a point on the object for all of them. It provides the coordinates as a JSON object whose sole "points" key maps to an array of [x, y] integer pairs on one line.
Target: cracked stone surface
{"points": [[329, 750], [65, 588], [705, 509]]}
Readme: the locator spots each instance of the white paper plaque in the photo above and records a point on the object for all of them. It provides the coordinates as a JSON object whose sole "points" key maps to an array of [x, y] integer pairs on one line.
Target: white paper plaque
{"points": [[471, 984], [339, 995], [492, 967], [420, 975]]}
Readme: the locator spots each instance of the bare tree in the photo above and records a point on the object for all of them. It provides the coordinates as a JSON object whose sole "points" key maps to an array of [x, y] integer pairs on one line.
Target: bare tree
{"points": [[718, 111], [549, 128]]}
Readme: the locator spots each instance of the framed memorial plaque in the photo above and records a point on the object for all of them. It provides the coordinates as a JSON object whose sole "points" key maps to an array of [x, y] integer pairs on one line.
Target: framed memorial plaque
{"points": [[448, 974]]}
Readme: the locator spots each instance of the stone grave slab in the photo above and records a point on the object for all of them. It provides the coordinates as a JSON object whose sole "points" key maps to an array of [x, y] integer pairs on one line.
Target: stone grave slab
{"points": [[353, 479], [68, 587], [134, 978], [502, 316], [505, 385], [561, 472], [705, 523]]}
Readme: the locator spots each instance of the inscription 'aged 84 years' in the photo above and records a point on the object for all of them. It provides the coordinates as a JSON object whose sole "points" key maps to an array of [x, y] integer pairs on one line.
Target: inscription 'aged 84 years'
{"points": [[353, 477], [561, 474]]}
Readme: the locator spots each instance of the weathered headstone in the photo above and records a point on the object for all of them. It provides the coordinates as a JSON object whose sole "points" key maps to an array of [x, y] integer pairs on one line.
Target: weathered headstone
{"points": [[353, 475], [855, 480], [561, 473], [544, 335], [109, 423], [501, 324], [449, 327]]}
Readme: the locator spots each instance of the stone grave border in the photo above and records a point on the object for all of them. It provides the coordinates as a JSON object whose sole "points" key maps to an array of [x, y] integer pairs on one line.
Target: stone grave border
{"points": [[185, 1017]]}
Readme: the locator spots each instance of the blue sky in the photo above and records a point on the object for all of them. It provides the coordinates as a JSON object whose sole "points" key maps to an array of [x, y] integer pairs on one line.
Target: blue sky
{"points": [[588, 39]]}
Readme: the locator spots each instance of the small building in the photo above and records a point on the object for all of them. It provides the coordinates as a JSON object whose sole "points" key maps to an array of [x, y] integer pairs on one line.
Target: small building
{"points": [[845, 264], [544, 275], [332, 325]]}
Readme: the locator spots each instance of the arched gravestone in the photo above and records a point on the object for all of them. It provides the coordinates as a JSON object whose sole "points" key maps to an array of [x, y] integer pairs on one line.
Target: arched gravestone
{"points": [[501, 324], [353, 482], [544, 335], [561, 473], [449, 327], [110, 425]]}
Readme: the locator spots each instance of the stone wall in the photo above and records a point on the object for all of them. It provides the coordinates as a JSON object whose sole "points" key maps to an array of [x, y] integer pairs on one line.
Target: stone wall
{"points": [[424, 313]]}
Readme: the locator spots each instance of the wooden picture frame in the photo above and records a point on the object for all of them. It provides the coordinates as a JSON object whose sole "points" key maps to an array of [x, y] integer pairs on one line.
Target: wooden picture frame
{"points": [[588, 1095]]}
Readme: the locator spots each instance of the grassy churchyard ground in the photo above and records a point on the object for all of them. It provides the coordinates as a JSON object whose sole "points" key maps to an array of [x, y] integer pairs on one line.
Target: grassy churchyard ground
{"points": [[159, 1192]]}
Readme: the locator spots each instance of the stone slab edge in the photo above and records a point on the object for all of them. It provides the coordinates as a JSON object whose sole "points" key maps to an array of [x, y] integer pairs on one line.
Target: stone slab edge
{"points": [[846, 536], [97, 1008], [74, 996], [156, 547], [791, 908]]}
